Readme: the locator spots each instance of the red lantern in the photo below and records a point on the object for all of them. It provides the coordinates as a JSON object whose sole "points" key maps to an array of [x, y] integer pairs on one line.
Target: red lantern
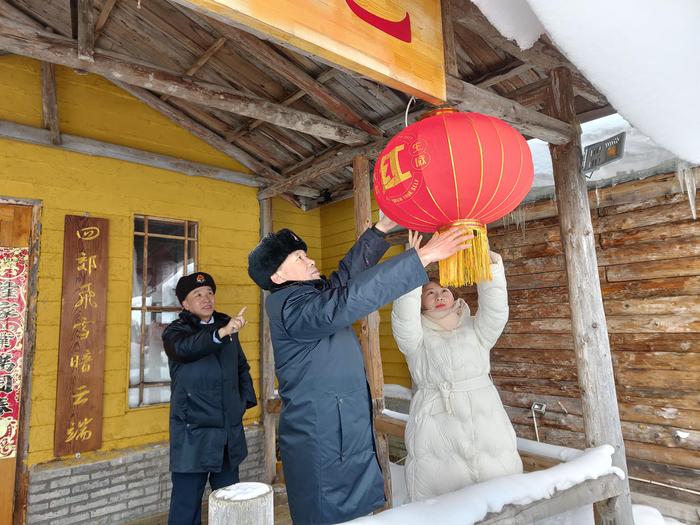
{"points": [[453, 168]]}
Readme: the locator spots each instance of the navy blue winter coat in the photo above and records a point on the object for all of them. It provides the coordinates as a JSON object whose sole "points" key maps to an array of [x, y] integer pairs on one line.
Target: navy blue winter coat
{"points": [[325, 429], [210, 391]]}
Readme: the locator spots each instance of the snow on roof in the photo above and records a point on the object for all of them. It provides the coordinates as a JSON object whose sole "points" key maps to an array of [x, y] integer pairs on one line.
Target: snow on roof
{"points": [[397, 391], [639, 56], [472, 503], [641, 154]]}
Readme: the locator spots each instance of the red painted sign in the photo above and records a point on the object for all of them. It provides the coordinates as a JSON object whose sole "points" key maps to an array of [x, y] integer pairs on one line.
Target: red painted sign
{"points": [[400, 29]]}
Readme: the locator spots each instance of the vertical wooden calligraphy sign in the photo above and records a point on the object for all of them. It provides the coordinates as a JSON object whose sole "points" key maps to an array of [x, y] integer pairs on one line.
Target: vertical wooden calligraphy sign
{"points": [[81, 347]]}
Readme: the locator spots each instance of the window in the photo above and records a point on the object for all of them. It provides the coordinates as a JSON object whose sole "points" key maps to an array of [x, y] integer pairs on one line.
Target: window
{"points": [[164, 250]]}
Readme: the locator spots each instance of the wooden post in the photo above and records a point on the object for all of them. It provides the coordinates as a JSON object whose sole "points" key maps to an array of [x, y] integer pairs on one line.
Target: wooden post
{"points": [[369, 337], [267, 361], [242, 504], [591, 345]]}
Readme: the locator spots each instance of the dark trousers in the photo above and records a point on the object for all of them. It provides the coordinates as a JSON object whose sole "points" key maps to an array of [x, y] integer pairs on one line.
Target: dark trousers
{"points": [[188, 489]]}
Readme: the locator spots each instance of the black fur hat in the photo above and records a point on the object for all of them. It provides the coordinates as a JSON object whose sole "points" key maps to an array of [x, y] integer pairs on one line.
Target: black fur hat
{"points": [[267, 256], [189, 282]]}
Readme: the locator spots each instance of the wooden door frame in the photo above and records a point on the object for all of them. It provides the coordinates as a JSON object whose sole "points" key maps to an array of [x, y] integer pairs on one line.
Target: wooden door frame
{"points": [[21, 482]]}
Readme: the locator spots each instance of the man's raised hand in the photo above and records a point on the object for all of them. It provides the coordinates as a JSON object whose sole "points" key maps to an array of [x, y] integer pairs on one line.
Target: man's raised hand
{"points": [[443, 245], [234, 325]]}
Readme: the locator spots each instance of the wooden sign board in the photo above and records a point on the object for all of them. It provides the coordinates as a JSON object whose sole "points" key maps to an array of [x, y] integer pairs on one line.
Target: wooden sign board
{"points": [[396, 42], [81, 348]]}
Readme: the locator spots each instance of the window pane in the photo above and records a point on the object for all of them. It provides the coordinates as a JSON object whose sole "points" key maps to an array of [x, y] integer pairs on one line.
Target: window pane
{"points": [[191, 256], [166, 227], [138, 224], [137, 273], [156, 394], [133, 397], [165, 267], [135, 352], [155, 360], [192, 230]]}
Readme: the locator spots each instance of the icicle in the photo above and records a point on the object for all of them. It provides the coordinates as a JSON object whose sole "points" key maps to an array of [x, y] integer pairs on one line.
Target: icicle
{"points": [[686, 178], [597, 197]]}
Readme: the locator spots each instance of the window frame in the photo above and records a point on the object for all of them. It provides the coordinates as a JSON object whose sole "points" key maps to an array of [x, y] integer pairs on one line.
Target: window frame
{"points": [[144, 309]]}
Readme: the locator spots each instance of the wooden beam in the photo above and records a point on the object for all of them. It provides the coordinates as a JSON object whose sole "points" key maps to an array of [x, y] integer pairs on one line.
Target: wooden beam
{"points": [[539, 55], [505, 74], [86, 30], [267, 361], [466, 97], [585, 493], [260, 169], [389, 425], [291, 99], [259, 52], [59, 50], [589, 328], [534, 94], [369, 326], [104, 16], [338, 161], [96, 148], [49, 105], [448, 34]]}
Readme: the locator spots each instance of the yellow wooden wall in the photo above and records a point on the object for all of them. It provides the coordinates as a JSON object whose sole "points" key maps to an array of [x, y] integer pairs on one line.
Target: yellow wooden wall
{"points": [[338, 235], [71, 183]]}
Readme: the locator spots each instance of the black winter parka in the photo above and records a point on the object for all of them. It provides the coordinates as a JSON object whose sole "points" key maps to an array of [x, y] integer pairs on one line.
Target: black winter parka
{"points": [[211, 389], [325, 430]]}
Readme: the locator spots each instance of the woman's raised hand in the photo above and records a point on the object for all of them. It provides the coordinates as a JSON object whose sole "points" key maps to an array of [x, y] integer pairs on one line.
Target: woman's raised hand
{"points": [[442, 246], [414, 239], [495, 258]]}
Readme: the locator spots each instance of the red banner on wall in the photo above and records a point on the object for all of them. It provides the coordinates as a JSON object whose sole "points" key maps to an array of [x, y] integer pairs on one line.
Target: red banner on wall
{"points": [[14, 270], [81, 348]]}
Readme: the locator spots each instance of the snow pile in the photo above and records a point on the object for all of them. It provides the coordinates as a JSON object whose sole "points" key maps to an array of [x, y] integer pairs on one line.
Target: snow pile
{"points": [[514, 20], [644, 515], [242, 491], [395, 415], [641, 154], [472, 503], [397, 391], [639, 55]]}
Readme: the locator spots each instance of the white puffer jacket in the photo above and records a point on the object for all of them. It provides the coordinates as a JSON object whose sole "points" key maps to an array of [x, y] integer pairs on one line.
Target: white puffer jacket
{"points": [[458, 432]]}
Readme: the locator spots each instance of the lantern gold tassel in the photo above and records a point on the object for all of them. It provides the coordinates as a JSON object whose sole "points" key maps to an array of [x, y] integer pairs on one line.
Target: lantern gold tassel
{"points": [[469, 266]]}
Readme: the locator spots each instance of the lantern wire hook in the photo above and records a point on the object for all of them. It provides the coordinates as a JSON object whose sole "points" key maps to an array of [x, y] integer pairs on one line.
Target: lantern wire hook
{"points": [[408, 106]]}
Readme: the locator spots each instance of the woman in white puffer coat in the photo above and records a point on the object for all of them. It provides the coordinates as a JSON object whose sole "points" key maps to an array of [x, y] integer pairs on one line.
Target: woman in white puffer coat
{"points": [[458, 432]]}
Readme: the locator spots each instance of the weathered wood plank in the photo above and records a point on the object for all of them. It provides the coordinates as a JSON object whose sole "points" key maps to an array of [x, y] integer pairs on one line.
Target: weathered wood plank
{"points": [[86, 30], [262, 52], [588, 323], [448, 36], [59, 50], [689, 266], [338, 160], [49, 103], [466, 97], [267, 361], [97, 148], [103, 17]]}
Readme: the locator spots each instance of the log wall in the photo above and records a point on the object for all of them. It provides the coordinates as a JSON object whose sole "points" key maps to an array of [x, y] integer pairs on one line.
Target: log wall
{"points": [[648, 249]]}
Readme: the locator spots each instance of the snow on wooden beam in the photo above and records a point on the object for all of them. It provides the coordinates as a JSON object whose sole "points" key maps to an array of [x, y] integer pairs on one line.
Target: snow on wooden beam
{"points": [[539, 55], [41, 45], [586, 493]]}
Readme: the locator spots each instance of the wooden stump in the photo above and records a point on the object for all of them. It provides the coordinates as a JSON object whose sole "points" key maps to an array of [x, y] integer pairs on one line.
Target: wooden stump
{"points": [[242, 504]]}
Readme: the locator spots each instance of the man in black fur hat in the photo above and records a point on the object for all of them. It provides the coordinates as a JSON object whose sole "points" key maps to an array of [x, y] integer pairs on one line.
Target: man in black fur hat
{"points": [[210, 391], [325, 430]]}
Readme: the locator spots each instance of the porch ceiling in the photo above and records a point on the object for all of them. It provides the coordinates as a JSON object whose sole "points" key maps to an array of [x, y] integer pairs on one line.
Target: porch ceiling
{"points": [[293, 120]]}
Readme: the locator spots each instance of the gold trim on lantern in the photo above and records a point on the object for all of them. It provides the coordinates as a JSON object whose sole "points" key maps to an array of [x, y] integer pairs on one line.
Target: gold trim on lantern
{"points": [[469, 266]]}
